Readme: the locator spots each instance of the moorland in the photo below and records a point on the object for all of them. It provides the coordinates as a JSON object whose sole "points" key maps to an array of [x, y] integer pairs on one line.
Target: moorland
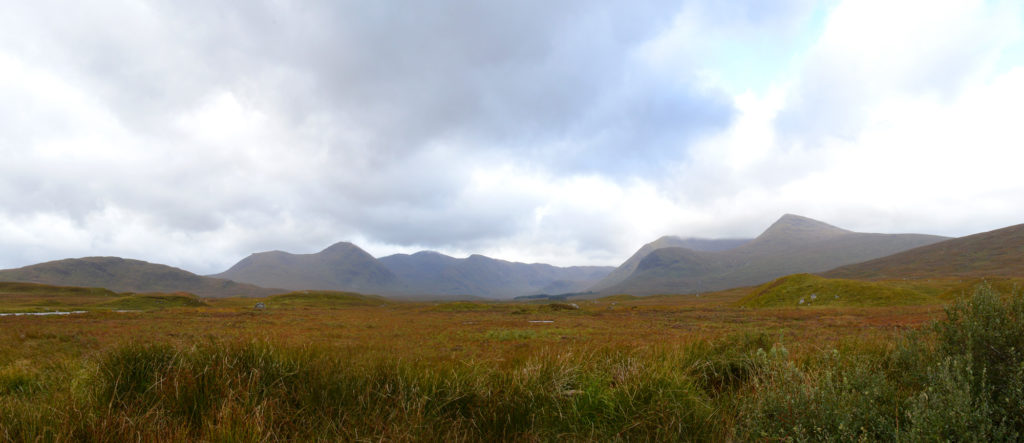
{"points": [[922, 345]]}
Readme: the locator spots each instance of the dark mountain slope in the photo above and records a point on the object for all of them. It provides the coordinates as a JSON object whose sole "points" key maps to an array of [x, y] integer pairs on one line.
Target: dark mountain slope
{"points": [[341, 267], [125, 275], [791, 245], [994, 253], [623, 271]]}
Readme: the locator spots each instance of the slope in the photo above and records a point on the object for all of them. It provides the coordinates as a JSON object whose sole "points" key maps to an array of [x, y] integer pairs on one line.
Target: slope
{"points": [[994, 253], [623, 271], [810, 290], [125, 275], [341, 267], [791, 245]]}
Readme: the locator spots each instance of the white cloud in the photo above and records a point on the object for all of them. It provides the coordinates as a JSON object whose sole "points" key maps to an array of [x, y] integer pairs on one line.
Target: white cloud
{"points": [[568, 135]]}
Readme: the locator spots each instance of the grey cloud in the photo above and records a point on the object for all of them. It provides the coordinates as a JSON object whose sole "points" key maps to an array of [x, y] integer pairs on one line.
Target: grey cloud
{"points": [[361, 96]]}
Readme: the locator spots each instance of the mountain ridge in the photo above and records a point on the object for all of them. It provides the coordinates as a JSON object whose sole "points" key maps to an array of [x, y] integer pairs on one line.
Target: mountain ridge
{"points": [[340, 266], [793, 244], [129, 275], [999, 252]]}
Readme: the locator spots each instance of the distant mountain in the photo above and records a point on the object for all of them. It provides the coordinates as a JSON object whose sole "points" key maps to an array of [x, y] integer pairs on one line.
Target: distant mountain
{"points": [[791, 245], [341, 267], [125, 275], [438, 274], [988, 254], [627, 268]]}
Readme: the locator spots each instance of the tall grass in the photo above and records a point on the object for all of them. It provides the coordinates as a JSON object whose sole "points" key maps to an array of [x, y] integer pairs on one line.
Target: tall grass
{"points": [[959, 379]]}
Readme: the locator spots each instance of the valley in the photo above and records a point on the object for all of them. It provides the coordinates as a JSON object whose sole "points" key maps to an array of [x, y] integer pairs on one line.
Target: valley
{"points": [[149, 352]]}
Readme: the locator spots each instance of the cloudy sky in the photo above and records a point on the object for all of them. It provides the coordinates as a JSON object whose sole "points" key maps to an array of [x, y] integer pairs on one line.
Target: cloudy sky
{"points": [[193, 133]]}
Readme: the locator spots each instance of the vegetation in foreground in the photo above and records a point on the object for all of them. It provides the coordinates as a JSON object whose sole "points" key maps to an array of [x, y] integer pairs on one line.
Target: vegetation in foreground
{"points": [[961, 378], [33, 297]]}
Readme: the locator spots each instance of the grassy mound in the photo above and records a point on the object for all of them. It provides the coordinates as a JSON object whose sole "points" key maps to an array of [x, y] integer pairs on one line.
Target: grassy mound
{"points": [[811, 290], [20, 288], [324, 299]]}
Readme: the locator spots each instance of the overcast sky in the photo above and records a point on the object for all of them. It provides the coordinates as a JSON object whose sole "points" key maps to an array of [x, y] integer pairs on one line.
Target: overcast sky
{"points": [[193, 133]]}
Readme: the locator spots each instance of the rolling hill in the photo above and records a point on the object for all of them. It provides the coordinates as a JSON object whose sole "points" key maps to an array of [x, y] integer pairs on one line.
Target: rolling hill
{"points": [[808, 290], [791, 245], [125, 275], [988, 254], [341, 267], [627, 268]]}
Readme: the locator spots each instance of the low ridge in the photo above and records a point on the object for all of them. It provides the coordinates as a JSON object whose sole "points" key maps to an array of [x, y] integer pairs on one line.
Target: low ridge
{"points": [[126, 275], [988, 254]]}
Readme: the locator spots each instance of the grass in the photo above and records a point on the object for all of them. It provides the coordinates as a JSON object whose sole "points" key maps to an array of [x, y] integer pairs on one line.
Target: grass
{"points": [[327, 367], [323, 299], [31, 297], [809, 290]]}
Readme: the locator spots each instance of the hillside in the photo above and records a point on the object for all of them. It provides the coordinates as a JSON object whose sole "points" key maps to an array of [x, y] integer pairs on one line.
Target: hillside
{"points": [[791, 245], [623, 271], [994, 253], [805, 290], [125, 275], [341, 267], [19, 297], [438, 274]]}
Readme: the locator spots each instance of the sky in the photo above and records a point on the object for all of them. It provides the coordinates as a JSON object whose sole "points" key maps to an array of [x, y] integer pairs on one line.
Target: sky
{"points": [[195, 132]]}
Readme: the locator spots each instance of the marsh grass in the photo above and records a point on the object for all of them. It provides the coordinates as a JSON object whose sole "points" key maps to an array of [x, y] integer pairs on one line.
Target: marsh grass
{"points": [[958, 379]]}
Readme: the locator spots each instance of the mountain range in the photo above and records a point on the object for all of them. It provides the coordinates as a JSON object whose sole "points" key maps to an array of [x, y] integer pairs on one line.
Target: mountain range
{"points": [[793, 244], [346, 267]]}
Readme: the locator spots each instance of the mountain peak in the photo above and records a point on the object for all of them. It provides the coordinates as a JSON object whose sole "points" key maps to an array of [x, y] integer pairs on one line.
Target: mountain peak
{"points": [[790, 225], [342, 246]]}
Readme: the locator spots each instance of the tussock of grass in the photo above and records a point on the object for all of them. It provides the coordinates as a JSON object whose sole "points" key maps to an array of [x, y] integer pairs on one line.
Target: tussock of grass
{"points": [[810, 290], [324, 299]]}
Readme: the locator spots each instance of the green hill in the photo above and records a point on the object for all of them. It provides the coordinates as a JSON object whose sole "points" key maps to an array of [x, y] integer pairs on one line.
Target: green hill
{"points": [[34, 297], [324, 299], [809, 290]]}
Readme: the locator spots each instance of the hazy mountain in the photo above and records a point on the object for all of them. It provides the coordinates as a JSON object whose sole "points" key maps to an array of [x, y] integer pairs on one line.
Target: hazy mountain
{"points": [[341, 267], [627, 268], [438, 274], [994, 253], [124, 275], [791, 245]]}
